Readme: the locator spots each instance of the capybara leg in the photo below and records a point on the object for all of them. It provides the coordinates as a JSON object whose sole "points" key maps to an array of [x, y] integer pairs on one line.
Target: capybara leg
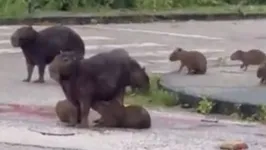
{"points": [[30, 68], [181, 67], [41, 69], [261, 81], [242, 65], [85, 106], [245, 67]]}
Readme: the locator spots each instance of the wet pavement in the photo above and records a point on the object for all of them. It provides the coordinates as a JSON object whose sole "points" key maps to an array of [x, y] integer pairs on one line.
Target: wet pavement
{"points": [[174, 130], [27, 107]]}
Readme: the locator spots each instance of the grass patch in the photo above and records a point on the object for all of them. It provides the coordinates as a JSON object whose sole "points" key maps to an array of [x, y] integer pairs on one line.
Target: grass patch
{"points": [[21, 11], [155, 97]]}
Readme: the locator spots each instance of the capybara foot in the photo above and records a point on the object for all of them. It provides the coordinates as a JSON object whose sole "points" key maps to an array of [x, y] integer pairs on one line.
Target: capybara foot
{"points": [[26, 80], [39, 81]]}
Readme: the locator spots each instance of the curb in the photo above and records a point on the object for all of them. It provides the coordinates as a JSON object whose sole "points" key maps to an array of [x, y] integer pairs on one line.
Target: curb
{"points": [[131, 18], [221, 106]]}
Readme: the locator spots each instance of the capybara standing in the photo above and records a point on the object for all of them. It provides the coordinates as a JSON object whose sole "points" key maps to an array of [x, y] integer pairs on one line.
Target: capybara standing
{"points": [[261, 72], [122, 56], [251, 57], [114, 114], [195, 61], [66, 111], [102, 77], [40, 48]]}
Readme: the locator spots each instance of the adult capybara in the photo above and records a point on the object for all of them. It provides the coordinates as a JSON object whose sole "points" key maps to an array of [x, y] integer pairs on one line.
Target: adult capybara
{"points": [[100, 77], [66, 111], [195, 61], [251, 57], [40, 48], [114, 114], [121, 56], [261, 72]]}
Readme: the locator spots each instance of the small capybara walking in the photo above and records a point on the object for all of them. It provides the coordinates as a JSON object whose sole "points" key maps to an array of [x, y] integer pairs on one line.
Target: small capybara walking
{"points": [[251, 57], [195, 61]]}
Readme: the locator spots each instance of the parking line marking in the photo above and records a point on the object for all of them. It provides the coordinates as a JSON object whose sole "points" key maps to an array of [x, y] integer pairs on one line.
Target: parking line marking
{"points": [[159, 33]]}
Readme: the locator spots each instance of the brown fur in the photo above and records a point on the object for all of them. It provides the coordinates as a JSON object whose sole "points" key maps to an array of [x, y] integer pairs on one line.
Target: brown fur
{"points": [[66, 111], [251, 57], [116, 115], [195, 61], [261, 72]]}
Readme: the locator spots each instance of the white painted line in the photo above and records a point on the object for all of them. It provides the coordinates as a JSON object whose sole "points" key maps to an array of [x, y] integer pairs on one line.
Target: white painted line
{"points": [[203, 50], [85, 38], [93, 47], [5, 27], [4, 41], [160, 33], [10, 50], [6, 33]]}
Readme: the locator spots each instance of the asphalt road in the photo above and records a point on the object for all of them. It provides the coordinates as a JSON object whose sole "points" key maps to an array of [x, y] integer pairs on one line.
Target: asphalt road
{"points": [[151, 45]]}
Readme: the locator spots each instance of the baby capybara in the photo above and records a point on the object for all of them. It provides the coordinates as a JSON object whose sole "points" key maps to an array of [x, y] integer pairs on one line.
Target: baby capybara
{"points": [[195, 61], [66, 111], [115, 114], [251, 57]]}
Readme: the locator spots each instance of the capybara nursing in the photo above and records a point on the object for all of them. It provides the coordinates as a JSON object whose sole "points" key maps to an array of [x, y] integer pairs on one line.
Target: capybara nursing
{"points": [[251, 57], [115, 114], [195, 61], [40, 48], [100, 77]]}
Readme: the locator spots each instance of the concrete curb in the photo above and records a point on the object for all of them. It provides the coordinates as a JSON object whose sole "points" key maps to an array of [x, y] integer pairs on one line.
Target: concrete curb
{"points": [[221, 106], [129, 18]]}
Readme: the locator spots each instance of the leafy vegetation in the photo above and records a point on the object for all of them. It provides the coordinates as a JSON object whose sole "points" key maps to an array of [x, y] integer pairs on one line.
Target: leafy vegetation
{"points": [[16, 8], [155, 97]]}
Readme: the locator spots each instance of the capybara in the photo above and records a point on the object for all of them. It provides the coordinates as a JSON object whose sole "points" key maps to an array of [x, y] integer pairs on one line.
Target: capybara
{"points": [[100, 77], [251, 57], [122, 56], [115, 114], [40, 48], [195, 61], [261, 72], [66, 111]]}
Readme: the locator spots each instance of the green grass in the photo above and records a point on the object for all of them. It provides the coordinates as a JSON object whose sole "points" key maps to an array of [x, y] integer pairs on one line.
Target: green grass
{"points": [[155, 97], [20, 12]]}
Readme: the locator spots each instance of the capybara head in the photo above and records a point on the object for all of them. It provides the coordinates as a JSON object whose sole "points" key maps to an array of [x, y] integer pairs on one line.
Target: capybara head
{"points": [[64, 62], [23, 36], [140, 79], [237, 55], [174, 56], [65, 110]]}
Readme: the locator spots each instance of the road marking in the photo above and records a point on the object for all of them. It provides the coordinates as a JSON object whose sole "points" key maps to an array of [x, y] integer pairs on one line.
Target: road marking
{"points": [[160, 33], [5, 27], [203, 50], [84, 38], [93, 47]]}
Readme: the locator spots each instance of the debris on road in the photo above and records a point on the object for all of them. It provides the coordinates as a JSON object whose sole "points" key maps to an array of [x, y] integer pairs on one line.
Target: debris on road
{"points": [[234, 145]]}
